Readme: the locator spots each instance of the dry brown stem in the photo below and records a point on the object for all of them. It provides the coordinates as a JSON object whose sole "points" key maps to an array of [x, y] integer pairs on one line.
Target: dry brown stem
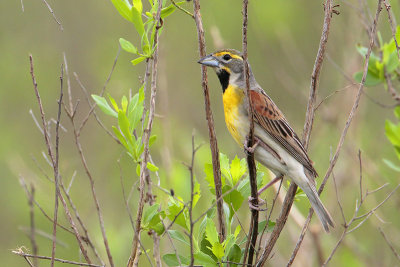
{"points": [[210, 121], [21, 253], [253, 230]]}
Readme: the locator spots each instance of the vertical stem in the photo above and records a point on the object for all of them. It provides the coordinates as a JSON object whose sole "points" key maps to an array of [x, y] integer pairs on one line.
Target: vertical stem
{"points": [[210, 121], [33, 228], [253, 230], [146, 138]]}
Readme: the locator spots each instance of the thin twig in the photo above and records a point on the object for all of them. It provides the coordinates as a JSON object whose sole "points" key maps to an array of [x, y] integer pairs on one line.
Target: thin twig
{"points": [[344, 132], [253, 230], [392, 23], [146, 138], [54, 15], [126, 202], [191, 167], [395, 253], [86, 238], [22, 254], [346, 227], [91, 111], [91, 180], [101, 94], [32, 235], [210, 122], [182, 9], [310, 114], [23, 184]]}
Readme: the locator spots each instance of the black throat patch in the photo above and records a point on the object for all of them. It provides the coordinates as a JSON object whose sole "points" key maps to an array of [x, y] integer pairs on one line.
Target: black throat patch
{"points": [[223, 77]]}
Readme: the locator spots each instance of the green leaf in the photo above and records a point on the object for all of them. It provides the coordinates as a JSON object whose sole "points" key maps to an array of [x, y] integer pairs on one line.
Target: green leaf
{"points": [[196, 193], [138, 169], [202, 229], [150, 212], [205, 247], [225, 168], [152, 167], [139, 147], [104, 106], [137, 60], [175, 208], [392, 132], [123, 124], [205, 260], [238, 169], [218, 250], [261, 226], [124, 103], [124, 8], [237, 230], [244, 186], [152, 139], [235, 255], [391, 165], [397, 112], [113, 103], [120, 137], [363, 52], [172, 260], [138, 5], [208, 169], [234, 198], [393, 62], [178, 236], [370, 80], [128, 46], [211, 232], [228, 243]]}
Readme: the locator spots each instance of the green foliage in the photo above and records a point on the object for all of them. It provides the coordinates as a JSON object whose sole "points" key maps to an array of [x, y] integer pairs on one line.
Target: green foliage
{"points": [[146, 30], [152, 219], [127, 131], [392, 131], [377, 66]]}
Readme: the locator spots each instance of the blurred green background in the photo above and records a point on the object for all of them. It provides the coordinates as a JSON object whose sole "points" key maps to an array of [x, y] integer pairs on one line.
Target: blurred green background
{"points": [[283, 41]]}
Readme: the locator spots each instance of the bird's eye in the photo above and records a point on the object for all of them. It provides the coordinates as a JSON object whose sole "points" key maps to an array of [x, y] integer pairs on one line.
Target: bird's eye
{"points": [[227, 57]]}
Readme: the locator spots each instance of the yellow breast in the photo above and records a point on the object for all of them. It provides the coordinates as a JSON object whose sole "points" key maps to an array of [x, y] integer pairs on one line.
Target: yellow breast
{"points": [[233, 99]]}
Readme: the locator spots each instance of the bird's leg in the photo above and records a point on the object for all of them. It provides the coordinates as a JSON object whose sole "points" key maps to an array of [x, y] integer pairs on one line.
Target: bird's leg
{"points": [[251, 149], [276, 179], [262, 202]]}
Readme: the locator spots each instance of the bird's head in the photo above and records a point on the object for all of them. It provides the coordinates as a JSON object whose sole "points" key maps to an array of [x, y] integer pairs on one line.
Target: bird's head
{"points": [[228, 64]]}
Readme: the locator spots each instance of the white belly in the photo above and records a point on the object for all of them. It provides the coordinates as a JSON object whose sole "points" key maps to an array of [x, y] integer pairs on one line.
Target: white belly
{"points": [[286, 165]]}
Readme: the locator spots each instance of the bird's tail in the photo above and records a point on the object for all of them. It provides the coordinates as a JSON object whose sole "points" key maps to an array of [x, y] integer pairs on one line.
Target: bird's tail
{"points": [[318, 207]]}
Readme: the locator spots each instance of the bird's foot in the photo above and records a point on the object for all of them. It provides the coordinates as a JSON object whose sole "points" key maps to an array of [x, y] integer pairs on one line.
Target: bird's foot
{"points": [[251, 149], [261, 202]]}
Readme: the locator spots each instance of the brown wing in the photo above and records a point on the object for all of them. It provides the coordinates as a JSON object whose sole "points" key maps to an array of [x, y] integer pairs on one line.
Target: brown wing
{"points": [[268, 116]]}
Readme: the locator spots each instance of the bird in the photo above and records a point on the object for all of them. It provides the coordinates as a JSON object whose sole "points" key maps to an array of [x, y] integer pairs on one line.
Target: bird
{"points": [[276, 145]]}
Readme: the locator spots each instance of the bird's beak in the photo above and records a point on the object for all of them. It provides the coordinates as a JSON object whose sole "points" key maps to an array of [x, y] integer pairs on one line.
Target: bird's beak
{"points": [[209, 61]]}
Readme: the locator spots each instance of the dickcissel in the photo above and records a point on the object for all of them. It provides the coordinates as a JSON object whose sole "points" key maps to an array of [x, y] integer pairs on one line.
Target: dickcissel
{"points": [[276, 144]]}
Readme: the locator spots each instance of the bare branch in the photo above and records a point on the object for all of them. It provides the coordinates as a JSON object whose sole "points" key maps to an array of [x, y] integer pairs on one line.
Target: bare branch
{"points": [[54, 15], [389, 244], [32, 236], [392, 23], [22, 254], [210, 121], [182, 9]]}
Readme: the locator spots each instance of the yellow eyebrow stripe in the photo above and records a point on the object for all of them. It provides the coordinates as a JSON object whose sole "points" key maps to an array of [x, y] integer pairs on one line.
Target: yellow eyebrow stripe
{"points": [[229, 53]]}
